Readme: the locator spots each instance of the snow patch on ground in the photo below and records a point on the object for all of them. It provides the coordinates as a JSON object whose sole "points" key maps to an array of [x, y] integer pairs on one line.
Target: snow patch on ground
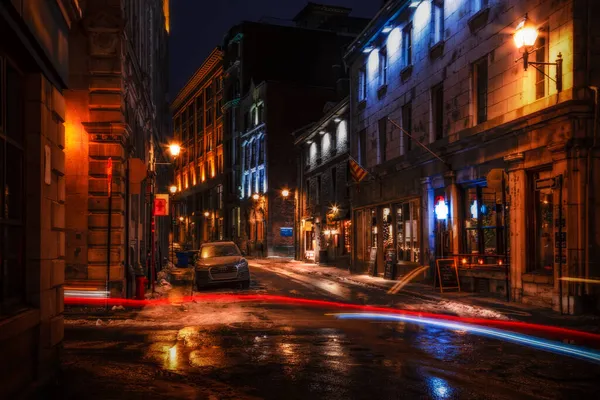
{"points": [[453, 307], [196, 314]]}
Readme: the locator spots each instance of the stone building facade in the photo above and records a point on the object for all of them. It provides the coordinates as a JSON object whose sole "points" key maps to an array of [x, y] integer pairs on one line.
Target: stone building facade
{"points": [[507, 186], [117, 110], [199, 170], [324, 226], [33, 78], [263, 103]]}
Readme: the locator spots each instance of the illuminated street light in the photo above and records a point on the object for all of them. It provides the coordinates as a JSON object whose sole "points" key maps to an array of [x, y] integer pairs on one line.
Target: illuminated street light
{"points": [[285, 193], [173, 189], [525, 36], [334, 209], [255, 196], [181, 219], [206, 214], [174, 149]]}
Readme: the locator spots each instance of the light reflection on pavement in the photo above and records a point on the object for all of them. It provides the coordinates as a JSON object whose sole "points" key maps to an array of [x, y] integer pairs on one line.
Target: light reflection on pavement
{"points": [[270, 351]]}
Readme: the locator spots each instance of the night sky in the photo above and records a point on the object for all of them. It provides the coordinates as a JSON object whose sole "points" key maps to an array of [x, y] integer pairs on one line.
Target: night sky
{"points": [[197, 26]]}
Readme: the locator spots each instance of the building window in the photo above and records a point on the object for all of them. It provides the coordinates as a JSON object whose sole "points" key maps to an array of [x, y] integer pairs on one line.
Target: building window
{"points": [[248, 155], [479, 5], [437, 109], [261, 153], [381, 152], [220, 163], [407, 45], [209, 115], [408, 223], [483, 221], [362, 84], [480, 71], [541, 56], [541, 216], [209, 142], [318, 190], [407, 126], [208, 93], [437, 16], [218, 108], [383, 67], [12, 184], [261, 181], [200, 145], [334, 195], [261, 116], [219, 134], [254, 152], [220, 196], [199, 114], [362, 147]]}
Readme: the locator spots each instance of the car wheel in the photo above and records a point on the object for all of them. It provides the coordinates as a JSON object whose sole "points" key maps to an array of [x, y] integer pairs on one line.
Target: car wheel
{"points": [[246, 284]]}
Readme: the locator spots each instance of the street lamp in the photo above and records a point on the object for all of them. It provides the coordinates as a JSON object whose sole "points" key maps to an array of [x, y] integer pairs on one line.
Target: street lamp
{"points": [[174, 149], [206, 214], [181, 219], [255, 196], [525, 37], [173, 189], [285, 193]]}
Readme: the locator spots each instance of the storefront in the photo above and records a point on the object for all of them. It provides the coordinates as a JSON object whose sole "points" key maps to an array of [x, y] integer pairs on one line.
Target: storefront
{"points": [[390, 229]]}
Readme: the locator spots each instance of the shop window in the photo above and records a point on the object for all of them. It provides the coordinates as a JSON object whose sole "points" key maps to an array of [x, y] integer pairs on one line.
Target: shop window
{"points": [[387, 229], [408, 221], [484, 222], [347, 237], [480, 79], [437, 108], [541, 218]]}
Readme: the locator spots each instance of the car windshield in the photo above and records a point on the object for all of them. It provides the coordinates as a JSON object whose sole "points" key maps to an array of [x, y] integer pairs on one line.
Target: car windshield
{"points": [[220, 251]]}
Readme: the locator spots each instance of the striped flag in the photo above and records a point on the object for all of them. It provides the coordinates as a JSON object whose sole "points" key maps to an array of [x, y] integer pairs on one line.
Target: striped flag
{"points": [[358, 173]]}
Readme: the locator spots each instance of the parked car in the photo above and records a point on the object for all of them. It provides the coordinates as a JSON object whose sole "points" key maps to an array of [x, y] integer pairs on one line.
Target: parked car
{"points": [[221, 262]]}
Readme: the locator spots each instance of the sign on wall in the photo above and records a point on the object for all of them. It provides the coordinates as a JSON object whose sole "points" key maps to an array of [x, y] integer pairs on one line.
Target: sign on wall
{"points": [[286, 232]]}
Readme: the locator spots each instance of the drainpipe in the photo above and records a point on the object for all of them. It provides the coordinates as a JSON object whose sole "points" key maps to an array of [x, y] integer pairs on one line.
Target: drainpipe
{"points": [[587, 190]]}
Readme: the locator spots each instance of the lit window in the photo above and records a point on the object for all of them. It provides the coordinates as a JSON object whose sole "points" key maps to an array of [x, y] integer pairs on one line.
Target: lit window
{"points": [[437, 16], [407, 45], [383, 67], [362, 84]]}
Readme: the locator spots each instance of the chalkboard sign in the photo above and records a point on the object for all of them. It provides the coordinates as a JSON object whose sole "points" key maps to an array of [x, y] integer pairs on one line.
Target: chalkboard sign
{"points": [[372, 261], [447, 275], [390, 264]]}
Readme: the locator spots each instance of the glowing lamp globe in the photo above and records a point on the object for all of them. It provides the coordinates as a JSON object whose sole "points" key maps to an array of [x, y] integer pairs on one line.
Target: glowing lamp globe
{"points": [[174, 149], [526, 34], [285, 193], [173, 189]]}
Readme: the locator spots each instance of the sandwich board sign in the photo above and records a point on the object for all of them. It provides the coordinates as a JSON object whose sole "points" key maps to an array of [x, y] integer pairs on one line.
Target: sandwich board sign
{"points": [[446, 276]]}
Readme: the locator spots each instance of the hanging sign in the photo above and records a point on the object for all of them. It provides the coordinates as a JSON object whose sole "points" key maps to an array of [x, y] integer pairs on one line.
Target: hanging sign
{"points": [[446, 275], [161, 205]]}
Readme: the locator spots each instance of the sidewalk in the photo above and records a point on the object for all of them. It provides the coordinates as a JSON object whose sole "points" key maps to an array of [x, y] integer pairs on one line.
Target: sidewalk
{"points": [[515, 311]]}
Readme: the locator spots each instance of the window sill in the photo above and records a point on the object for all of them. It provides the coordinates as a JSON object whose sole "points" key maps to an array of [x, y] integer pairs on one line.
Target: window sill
{"points": [[479, 20], [382, 91], [362, 104], [437, 50], [406, 73]]}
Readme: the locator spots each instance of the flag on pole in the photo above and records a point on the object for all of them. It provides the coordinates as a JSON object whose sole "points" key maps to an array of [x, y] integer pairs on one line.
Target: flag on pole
{"points": [[357, 172]]}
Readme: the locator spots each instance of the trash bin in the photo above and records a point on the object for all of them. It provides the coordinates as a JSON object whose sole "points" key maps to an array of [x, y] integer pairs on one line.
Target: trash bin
{"points": [[140, 287], [183, 259]]}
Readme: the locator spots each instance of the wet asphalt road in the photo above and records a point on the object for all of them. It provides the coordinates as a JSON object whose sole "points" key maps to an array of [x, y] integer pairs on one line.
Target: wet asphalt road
{"points": [[270, 351]]}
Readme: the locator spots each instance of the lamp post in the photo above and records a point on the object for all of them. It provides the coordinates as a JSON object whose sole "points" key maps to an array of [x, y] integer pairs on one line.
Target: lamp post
{"points": [[172, 190], [525, 37]]}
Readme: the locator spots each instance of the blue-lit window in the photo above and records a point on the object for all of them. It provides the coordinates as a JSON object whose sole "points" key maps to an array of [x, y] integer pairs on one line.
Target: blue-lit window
{"points": [[437, 17], [383, 67], [362, 84], [407, 45], [261, 181]]}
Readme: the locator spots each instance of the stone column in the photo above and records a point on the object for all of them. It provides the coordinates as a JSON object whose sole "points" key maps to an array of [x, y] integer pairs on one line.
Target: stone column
{"points": [[454, 201], [517, 185], [427, 225]]}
